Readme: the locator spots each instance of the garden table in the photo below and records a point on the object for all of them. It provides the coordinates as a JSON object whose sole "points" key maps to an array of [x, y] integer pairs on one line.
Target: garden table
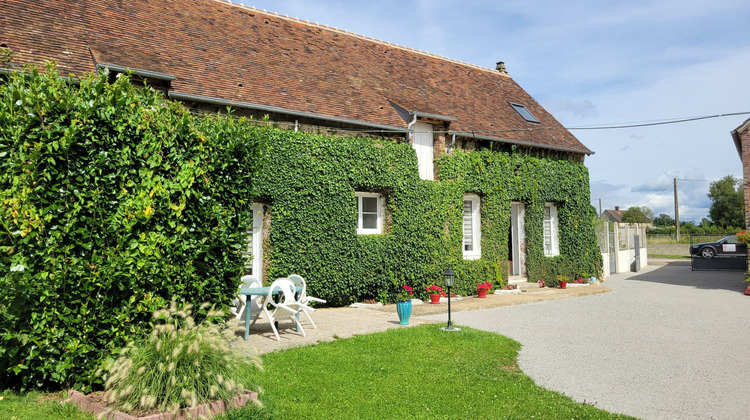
{"points": [[258, 291]]}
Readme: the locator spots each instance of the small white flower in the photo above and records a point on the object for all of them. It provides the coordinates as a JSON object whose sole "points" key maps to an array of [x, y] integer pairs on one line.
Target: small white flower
{"points": [[18, 268]]}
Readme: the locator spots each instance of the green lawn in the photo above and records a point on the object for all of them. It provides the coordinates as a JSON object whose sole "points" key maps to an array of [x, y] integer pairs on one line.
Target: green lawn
{"points": [[417, 372], [37, 405], [671, 257]]}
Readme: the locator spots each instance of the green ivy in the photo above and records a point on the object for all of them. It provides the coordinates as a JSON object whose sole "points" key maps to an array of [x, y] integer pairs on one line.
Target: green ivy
{"points": [[309, 181], [112, 201]]}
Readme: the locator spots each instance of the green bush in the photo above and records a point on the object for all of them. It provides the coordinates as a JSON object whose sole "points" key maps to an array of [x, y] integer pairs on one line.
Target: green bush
{"points": [[111, 200], [181, 364]]}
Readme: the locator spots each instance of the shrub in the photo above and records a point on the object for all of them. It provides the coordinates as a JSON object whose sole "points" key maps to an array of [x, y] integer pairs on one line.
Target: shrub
{"points": [[181, 364], [112, 200]]}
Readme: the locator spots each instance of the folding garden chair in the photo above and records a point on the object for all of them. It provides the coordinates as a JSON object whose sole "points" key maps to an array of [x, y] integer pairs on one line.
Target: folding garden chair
{"points": [[282, 303], [303, 297], [240, 302]]}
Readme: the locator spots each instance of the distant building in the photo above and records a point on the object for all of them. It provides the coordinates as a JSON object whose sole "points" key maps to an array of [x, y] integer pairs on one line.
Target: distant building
{"points": [[741, 136], [612, 215]]}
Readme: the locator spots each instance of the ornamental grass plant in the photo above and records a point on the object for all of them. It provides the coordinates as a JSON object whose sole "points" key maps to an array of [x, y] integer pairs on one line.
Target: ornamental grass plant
{"points": [[180, 364]]}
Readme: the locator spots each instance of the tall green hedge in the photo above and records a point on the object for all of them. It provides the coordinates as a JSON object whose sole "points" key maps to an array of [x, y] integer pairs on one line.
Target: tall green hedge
{"points": [[309, 182], [111, 201]]}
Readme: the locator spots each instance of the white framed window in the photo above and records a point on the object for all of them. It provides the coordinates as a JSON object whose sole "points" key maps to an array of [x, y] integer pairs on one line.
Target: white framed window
{"points": [[472, 228], [370, 212], [551, 239]]}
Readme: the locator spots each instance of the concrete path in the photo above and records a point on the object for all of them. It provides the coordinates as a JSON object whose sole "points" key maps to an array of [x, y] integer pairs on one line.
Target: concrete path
{"points": [[334, 323], [666, 343]]}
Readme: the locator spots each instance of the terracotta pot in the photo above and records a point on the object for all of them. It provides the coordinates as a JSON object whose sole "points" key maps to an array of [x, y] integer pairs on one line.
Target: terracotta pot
{"points": [[435, 299], [563, 284], [482, 293]]}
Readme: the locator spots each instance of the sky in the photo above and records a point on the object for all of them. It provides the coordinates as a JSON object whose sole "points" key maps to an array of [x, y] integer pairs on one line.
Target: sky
{"points": [[595, 63]]}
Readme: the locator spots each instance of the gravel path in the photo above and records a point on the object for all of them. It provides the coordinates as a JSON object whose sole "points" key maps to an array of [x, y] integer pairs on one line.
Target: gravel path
{"points": [[666, 343]]}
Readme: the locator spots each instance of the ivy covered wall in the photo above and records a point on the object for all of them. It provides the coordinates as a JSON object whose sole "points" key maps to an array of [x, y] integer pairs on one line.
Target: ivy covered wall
{"points": [[309, 185]]}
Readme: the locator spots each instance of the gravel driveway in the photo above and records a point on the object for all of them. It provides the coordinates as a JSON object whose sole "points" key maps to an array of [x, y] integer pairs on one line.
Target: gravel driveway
{"points": [[666, 343]]}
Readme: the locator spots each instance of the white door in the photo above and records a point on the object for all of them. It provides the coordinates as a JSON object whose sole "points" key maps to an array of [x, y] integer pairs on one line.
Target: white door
{"points": [[518, 239], [254, 253], [422, 144]]}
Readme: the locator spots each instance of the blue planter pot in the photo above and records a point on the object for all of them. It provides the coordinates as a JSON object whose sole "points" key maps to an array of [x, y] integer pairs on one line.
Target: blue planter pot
{"points": [[404, 312]]}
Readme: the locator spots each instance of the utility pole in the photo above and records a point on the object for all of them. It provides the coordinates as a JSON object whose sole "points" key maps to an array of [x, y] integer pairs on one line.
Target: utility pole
{"points": [[676, 211], [600, 207]]}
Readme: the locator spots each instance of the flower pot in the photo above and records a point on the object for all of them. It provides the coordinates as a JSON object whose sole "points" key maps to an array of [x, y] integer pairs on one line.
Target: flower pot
{"points": [[404, 312], [563, 284], [434, 299], [482, 293]]}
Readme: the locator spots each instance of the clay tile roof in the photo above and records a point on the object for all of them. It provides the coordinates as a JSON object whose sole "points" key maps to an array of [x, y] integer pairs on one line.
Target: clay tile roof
{"points": [[235, 53], [615, 215]]}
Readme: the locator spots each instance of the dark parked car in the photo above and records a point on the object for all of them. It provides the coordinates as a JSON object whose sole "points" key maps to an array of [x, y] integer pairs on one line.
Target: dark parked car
{"points": [[725, 246]]}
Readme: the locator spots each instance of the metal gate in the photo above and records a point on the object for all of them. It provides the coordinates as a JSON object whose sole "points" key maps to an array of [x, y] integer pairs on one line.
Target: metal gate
{"points": [[730, 261]]}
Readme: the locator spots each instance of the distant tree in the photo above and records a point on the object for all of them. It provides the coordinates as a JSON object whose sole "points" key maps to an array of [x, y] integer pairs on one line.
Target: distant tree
{"points": [[727, 202], [638, 215], [663, 220]]}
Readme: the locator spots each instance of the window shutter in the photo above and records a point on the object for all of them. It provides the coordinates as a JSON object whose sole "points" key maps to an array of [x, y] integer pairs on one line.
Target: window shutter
{"points": [[468, 226]]}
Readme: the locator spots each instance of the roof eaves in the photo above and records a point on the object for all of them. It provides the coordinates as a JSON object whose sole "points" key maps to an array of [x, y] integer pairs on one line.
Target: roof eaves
{"points": [[237, 104], [736, 136], [139, 72], [8, 72], [432, 116], [521, 143]]}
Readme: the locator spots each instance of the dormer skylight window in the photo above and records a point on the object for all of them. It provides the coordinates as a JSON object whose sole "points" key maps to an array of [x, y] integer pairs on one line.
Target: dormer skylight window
{"points": [[525, 113]]}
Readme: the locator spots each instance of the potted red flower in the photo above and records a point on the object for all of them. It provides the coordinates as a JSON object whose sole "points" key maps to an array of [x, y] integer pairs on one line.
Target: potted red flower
{"points": [[483, 288], [435, 292], [403, 304]]}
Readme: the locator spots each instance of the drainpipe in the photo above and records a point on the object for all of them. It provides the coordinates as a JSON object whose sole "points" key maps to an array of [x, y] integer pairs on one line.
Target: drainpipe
{"points": [[453, 143], [414, 121]]}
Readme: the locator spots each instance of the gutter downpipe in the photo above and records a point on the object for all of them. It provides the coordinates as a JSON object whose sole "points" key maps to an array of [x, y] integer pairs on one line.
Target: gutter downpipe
{"points": [[453, 142], [408, 127]]}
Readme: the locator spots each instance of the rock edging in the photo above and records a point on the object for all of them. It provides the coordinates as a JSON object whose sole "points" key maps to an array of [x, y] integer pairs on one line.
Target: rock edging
{"points": [[210, 409]]}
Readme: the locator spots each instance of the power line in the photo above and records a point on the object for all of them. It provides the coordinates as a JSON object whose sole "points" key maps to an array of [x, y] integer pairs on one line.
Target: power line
{"points": [[664, 122], [654, 196]]}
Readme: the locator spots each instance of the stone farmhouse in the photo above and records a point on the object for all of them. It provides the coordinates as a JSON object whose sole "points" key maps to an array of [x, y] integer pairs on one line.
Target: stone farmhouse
{"points": [[306, 77]]}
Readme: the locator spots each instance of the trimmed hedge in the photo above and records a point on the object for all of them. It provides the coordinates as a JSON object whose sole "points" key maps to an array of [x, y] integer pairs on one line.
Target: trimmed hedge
{"points": [[112, 201]]}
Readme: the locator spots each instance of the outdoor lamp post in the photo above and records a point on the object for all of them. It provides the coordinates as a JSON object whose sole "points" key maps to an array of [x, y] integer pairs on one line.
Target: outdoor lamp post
{"points": [[448, 278]]}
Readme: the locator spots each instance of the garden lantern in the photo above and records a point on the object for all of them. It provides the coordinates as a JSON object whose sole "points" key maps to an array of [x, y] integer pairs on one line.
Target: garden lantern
{"points": [[448, 279]]}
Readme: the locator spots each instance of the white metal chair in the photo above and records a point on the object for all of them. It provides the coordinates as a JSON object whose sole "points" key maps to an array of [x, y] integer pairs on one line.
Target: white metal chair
{"points": [[303, 297], [240, 302], [282, 304]]}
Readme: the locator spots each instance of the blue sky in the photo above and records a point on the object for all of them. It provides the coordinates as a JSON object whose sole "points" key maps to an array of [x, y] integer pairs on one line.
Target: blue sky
{"points": [[595, 63]]}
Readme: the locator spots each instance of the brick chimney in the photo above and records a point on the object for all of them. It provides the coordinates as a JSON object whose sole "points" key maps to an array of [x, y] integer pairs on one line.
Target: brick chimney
{"points": [[617, 209], [500, 66]]}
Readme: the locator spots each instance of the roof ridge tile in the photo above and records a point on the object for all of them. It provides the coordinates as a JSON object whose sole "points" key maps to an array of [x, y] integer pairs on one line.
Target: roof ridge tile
{"points": [[365, 37]]}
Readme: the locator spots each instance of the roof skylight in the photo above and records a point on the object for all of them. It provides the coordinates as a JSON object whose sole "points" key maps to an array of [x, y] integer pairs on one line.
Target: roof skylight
{"points": [[525, 113]]}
